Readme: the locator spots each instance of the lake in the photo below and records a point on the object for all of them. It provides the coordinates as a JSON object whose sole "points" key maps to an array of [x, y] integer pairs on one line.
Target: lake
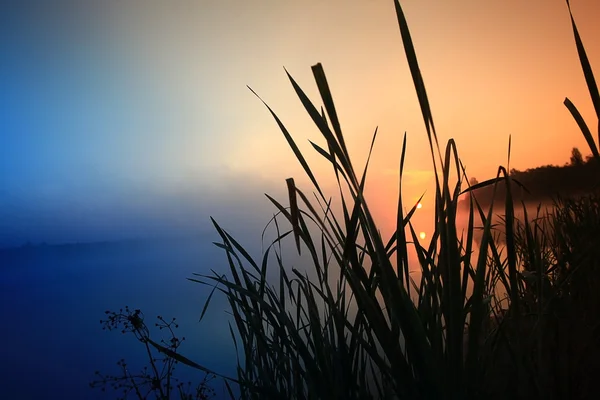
{"points": [[53, 297]]}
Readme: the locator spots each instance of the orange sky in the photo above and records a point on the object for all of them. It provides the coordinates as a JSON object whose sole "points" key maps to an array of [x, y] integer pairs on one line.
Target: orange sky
{"points": [[492, 69]]}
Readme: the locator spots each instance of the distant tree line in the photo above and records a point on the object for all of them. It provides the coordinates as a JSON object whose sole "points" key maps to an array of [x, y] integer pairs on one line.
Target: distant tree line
{"points": [[579, 176]]}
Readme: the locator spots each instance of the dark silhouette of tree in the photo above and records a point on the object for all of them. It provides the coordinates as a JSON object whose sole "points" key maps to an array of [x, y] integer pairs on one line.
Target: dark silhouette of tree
{"points": [[473, 181], [576, 157]]}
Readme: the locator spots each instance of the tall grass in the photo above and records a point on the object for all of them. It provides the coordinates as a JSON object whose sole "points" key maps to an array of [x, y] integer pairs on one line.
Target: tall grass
{"points": [[361, 326]]}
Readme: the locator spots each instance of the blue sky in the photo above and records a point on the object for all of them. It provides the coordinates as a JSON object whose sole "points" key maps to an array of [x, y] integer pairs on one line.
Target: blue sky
{"points": [[118, 118], [88, 139]]}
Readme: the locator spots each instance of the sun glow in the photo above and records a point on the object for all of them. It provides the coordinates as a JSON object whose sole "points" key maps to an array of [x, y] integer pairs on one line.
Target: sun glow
{"points": [[422, 235], [419, 206]]}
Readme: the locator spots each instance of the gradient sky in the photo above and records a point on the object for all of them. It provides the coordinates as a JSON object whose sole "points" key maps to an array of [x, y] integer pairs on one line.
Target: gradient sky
{"points": [[120, 118]]}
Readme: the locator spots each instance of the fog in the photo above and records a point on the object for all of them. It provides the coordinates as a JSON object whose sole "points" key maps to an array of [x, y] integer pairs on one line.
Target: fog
{"points": [[127, 213], [53, 295]]}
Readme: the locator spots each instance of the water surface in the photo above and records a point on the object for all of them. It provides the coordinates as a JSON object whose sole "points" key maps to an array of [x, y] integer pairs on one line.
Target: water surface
{"points": [[52, 299]]}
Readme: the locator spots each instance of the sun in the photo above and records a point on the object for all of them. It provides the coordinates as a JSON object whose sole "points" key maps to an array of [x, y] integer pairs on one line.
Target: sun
{"points": [[422, 235], [419, 205]]}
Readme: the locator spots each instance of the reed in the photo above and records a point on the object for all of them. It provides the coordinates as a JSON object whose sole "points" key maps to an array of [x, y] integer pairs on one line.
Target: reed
{"points": [[430, 338], [356, 324]]}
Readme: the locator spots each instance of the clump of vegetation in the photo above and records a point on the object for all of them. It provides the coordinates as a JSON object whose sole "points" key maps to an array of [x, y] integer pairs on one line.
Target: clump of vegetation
{"points": [[576, 233], [513, 315], [556, 330]]}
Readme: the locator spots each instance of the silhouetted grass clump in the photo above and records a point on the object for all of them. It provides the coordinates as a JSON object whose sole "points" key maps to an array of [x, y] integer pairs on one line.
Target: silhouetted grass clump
{"points": [[513, 315], [555, 331]]}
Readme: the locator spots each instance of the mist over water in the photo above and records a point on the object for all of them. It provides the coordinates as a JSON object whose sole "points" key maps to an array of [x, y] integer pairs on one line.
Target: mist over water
{"points": [[53, 295]]}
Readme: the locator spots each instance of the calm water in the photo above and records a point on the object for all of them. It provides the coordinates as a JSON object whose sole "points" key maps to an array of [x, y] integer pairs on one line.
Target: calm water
{"points": [[52, 299]]}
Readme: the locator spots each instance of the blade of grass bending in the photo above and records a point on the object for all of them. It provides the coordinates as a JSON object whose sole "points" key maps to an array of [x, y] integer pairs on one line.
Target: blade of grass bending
{"points": [[587, 134], [585, 66], [207, 302], [327, 98], [323, 128], [292, 144], [264, 231], [415, 71], [185, 360], [319, 75], [492, 181]]}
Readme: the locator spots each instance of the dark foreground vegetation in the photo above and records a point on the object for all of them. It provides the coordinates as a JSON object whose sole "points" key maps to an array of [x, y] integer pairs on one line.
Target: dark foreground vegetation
{"points": [[516, 318]]}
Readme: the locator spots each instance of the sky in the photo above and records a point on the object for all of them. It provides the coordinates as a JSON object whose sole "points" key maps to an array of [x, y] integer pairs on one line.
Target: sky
{"points": [[129, 118]]}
